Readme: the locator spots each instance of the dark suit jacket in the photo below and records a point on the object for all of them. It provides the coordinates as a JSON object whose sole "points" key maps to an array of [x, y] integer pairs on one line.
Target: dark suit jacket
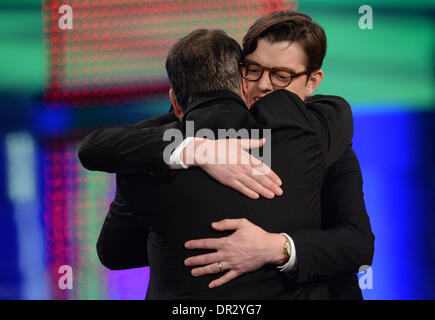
{"points": [[304, 143], [345, 224]]}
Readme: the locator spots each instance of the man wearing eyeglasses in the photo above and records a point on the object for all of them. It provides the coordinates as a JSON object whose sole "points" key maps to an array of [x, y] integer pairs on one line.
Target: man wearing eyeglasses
{"points": [[272, 61], [275, 57]]}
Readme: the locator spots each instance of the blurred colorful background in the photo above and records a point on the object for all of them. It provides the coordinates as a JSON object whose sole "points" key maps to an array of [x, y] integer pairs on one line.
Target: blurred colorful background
{"points": [[57, 85]]}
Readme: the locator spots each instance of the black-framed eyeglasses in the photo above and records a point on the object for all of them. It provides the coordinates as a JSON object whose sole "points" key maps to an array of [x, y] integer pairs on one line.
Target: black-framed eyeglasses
{"points": [[279, 77]]}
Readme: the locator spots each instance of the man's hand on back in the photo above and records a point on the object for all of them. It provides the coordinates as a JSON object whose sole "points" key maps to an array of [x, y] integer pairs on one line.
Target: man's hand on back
{"points": [[246, 250], [227, 161]]}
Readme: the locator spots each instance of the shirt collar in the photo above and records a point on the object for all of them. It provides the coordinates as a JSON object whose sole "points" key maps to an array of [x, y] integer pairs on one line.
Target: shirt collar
{"points": [[204, 100]]}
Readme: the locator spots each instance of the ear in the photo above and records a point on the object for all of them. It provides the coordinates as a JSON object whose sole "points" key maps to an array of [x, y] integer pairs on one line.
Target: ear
{"points": [[178, 112], [244, 88], [314, 81], [244, 92]]}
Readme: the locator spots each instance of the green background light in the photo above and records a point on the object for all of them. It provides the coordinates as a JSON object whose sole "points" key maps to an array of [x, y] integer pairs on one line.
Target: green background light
{"points": [[390, 65]]}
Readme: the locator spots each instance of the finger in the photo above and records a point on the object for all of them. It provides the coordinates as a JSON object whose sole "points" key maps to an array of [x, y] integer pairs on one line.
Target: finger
{"points": [[204, 244], [202, 259], [227, 277], [253, 185], [209, 269], [228, 224], [238, 186], [251, 143], [260, 169], [268, 183]]}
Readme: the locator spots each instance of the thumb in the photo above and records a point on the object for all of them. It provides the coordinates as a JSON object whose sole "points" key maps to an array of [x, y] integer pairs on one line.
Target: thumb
{"points": [[252, 143]]}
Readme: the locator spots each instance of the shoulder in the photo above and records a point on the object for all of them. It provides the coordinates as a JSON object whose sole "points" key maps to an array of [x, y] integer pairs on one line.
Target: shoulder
{"points": [[346, 164], [325, 101]]}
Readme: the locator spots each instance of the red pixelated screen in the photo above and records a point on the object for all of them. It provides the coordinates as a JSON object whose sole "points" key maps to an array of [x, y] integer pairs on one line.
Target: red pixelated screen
{"points": [[116, 49]]}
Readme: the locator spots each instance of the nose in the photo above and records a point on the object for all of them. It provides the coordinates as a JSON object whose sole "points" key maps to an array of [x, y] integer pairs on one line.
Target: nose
{"points": [[264, 83]]}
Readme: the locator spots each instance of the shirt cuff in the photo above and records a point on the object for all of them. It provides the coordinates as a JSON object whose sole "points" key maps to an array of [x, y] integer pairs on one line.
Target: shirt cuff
{"points": [[291, 263], [175, 161]]}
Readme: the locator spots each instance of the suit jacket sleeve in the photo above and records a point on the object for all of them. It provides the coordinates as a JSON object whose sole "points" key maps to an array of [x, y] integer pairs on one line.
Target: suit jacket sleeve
{"points": [[122, 240], [136, 148], [331, 117], [346, 241]]}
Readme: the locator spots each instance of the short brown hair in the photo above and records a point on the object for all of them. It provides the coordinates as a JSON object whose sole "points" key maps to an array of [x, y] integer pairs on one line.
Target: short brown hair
{"points": [[288, 25], [204, 60]]}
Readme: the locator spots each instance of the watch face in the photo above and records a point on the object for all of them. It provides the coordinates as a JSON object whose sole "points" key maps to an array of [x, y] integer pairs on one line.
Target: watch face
{"points": [[288, 248]]}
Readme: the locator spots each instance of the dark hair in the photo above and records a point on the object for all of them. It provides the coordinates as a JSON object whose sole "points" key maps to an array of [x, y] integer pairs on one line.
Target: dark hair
{"points": [[202, 61], [288, 25]]}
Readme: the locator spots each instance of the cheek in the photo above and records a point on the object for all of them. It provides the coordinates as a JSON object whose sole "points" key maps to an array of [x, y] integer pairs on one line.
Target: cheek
{"points": [[298, 87]]}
